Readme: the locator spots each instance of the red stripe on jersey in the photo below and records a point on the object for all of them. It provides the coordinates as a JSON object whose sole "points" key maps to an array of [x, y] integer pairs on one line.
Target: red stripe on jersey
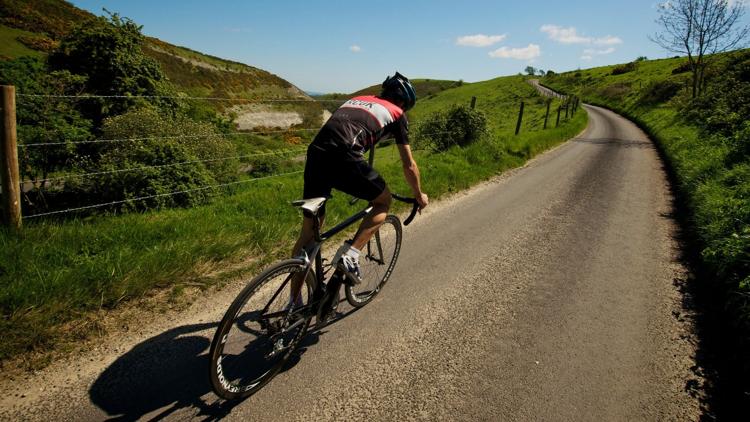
{"points": [[395, 110]]}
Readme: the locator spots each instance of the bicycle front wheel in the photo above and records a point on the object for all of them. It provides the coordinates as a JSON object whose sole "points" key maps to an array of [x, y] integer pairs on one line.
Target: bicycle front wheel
{"points": [[376, 261], [261, 329]]}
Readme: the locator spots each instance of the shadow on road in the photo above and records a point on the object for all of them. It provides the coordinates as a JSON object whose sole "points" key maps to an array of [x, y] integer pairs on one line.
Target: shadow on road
{"points": [[616, 142], [169, 372]]}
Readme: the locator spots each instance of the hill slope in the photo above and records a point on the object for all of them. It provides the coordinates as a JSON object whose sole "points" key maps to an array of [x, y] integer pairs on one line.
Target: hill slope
{"points": [[34, 27]]}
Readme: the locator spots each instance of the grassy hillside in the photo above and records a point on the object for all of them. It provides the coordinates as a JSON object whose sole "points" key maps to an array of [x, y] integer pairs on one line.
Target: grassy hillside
{"points": [[705, 143], [32, 27], [62, 272], [426, 89], [12, 47]]}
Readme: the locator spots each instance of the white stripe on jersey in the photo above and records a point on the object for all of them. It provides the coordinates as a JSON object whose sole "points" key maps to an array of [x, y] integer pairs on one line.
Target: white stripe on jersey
{"points": [[379, 111]]}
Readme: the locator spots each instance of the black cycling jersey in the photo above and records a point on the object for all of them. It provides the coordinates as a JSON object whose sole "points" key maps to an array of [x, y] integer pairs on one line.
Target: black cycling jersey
{"points": [[360, 123]]}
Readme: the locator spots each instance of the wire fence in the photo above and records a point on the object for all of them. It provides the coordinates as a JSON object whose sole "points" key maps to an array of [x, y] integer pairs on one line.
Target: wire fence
{"points": [[186, 98], [142, 198], [422, 132]]}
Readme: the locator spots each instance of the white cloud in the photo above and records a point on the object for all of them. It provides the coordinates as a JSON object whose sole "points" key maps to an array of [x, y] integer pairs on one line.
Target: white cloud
{"points": [[594, 52], [527, 53], [608, 40], [479, 40], [585, 57], [355, 48], [564, 35], [570, 35]]}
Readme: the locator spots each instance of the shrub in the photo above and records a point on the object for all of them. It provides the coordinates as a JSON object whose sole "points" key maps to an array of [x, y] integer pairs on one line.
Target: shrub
{"points": [[171, 141], [460, 125], [108, 53], [265, 165], [660, 92], [615, 91], [624, 68], [682, 68]]}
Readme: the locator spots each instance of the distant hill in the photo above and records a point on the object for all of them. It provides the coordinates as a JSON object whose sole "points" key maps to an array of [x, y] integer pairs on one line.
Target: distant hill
{"points": [[426, 88], [34, 28]]}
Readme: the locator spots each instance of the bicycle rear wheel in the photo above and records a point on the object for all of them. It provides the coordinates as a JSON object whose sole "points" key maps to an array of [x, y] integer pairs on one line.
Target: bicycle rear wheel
{"points": [[260, 331], [376, 261]]}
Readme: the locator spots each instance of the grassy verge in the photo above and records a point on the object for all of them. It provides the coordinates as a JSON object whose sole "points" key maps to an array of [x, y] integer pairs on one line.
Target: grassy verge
{"points": [[711, 172], [10, 46], [58, 271]]}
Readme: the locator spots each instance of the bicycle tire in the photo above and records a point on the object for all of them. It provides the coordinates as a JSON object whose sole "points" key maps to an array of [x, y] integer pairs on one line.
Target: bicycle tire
{"points": [[376, 263], [232, 348]]}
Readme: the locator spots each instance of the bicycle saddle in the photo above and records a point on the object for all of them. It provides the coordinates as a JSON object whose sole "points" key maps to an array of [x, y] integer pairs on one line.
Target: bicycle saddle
{"points": [[311, 205]]}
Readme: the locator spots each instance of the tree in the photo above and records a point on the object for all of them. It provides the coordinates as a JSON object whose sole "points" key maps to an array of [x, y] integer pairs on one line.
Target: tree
{"points": [[540, 72], [530, 70], [107, 51], [45, 120], [698, 29]]}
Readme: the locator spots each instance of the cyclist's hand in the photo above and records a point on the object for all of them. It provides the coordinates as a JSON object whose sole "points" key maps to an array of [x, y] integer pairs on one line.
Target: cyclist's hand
{"points": [[422, 200]]}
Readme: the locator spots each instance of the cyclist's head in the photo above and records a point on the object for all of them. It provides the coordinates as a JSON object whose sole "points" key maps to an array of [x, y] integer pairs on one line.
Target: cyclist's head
{"points": [[398, 89]]}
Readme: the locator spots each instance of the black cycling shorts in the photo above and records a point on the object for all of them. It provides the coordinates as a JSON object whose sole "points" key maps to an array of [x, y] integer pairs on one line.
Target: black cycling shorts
{"points": [[326, 170]]}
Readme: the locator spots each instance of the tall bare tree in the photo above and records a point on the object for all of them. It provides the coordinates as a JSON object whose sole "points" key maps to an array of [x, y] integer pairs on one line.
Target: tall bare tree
{"points": [[698, 29]]}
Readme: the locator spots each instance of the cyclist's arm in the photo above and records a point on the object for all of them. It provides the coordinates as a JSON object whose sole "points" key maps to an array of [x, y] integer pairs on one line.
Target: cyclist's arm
{"points": [[411, 173]]}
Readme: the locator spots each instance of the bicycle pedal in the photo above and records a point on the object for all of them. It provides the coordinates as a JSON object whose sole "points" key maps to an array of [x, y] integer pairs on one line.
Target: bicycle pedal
{"points": [[351, 280]]}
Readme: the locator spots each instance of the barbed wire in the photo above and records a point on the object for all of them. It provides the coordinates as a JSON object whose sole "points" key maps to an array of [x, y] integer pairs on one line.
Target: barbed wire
{"points": [[154, 138], [141, 198], [177, 97], [125, 170]]}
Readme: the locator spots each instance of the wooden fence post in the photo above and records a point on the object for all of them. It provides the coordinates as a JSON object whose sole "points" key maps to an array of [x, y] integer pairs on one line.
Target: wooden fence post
{"points": [[567, 103], [546, 116], [473, 102], [558, 115], [520, 119], [10, 180]]}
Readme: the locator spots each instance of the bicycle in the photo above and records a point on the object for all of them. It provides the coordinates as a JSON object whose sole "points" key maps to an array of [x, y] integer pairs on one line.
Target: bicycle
{"points": [[264, 324]]}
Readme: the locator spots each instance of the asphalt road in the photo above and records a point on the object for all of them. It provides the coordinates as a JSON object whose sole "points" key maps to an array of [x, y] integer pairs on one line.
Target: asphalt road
{"points": [[546, 294]]}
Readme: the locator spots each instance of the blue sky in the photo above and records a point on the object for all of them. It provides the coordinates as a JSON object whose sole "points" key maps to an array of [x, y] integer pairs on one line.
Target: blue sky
{"points": [[342, 46]]}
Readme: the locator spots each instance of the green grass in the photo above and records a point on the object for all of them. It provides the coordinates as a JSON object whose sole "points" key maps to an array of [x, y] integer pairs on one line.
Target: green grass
{"points": [[10, 47], [60, 270]]}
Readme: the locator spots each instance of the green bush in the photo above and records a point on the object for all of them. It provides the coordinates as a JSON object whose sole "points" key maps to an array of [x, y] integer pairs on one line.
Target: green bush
{"points": [[624, 68], [181, 155], [660, 92], [108, 53], [44, 120], [265, 165], [460, 125]]}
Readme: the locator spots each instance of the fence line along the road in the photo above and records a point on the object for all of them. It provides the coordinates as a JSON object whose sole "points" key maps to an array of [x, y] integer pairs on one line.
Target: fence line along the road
{"points": [[420, 133], [9, 173], [177, 97], [142, 198], [157, 166], [154, 138]]}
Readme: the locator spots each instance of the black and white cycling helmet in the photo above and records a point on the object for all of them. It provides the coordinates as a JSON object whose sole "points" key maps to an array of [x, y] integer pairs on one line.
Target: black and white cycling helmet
{"points": [[399, 88]]}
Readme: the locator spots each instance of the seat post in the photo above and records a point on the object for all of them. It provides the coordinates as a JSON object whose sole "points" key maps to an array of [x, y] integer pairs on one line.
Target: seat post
{"points": [[316, 227]]}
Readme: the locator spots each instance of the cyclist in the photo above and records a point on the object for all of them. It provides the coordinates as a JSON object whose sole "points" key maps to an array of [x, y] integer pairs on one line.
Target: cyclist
{"points": [[335, 159]]}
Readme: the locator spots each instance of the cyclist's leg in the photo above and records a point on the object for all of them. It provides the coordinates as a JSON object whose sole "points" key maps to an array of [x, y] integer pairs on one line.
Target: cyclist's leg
{"points": [[317, 184], [364, 182], [370, 224]]}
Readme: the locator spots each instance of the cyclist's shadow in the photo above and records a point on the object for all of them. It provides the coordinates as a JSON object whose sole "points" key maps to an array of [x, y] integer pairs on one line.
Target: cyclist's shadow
{"points": [[169, 372]]}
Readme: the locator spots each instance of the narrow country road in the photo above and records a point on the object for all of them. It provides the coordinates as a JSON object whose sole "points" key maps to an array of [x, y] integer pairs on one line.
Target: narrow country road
{"points": [[547, 294]]}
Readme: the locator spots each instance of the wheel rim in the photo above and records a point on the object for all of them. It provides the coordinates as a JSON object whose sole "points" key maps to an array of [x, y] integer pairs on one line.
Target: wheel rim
{"points": [[376, 263], [262, 334]]}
